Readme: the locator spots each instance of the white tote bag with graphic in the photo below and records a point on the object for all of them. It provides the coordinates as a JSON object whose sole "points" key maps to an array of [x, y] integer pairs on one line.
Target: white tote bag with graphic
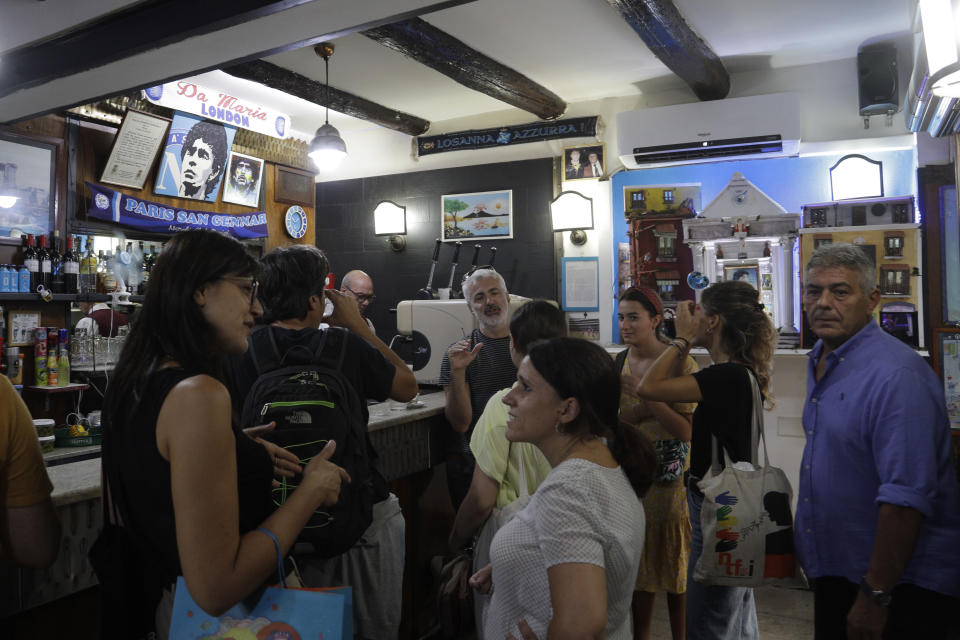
{"points": [[747, 519]]}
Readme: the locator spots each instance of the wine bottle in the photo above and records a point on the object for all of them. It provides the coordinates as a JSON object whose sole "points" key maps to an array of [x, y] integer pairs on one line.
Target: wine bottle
{"points": [[31, 261], [56, 264], [46, 268], [71, 269]]}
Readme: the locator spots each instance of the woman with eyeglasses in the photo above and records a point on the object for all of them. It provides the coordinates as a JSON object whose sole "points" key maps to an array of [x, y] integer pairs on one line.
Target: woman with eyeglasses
{"points": [[193, 494]]}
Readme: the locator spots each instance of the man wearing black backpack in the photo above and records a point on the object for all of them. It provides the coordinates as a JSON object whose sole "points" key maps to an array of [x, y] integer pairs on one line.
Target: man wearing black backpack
{"points": [[314, 384]]}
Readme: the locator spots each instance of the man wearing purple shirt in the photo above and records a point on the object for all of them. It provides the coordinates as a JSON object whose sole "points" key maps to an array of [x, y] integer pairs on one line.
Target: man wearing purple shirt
{"points": [[878, 516]]}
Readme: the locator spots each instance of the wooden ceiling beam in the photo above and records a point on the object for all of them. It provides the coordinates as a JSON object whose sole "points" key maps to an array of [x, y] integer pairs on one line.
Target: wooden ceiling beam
{"points": [[665, 32], [275, 77], [421, 41], [124, 33]]}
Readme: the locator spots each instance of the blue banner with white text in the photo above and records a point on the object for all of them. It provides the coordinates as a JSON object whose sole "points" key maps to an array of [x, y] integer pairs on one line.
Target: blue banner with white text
{"points": [[503, 136], [113, 206]]}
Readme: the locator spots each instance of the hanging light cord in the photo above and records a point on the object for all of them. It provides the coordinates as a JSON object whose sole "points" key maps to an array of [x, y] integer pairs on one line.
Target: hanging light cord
{"points": [[326, 87]]}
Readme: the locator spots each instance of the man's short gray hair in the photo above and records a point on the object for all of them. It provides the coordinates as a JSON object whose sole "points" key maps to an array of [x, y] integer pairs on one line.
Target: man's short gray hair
{"points": [[842, 254], [469, 281]]}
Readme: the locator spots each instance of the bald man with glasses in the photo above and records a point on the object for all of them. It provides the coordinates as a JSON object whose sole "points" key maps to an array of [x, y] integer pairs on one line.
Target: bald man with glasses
{"points": [[358, 285]]}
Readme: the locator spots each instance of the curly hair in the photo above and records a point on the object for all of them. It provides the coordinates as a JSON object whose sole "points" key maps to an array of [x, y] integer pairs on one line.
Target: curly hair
{"points": [[748, 335]]}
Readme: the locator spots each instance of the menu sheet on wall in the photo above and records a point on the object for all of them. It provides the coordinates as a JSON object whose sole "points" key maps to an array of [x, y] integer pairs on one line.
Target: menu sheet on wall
{"points": [[134, 149]]}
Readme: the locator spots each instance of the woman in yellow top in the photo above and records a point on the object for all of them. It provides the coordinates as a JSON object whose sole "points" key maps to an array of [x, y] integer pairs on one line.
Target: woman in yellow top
{"points": [[666, 549]]}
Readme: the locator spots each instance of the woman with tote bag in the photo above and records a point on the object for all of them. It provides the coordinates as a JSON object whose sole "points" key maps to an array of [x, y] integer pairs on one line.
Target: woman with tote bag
{"points": [[736, 331]]}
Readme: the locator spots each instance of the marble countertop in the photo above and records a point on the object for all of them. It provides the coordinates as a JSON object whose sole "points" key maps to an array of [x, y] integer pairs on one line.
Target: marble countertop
{"points": [[79, 481]]}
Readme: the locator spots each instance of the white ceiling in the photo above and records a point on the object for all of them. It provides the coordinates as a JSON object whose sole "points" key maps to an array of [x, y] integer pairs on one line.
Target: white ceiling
{"points": [[580, 49]]}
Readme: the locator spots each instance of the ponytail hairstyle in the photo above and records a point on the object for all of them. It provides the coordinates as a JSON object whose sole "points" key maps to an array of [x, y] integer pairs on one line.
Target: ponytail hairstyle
{"points": [[579, 369], [747, 334], [651, 303]]}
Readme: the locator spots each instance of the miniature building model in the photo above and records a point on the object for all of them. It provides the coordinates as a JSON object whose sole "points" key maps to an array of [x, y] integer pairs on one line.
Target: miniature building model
{"points": [[743, 234], [885, 231], [658, 258]]}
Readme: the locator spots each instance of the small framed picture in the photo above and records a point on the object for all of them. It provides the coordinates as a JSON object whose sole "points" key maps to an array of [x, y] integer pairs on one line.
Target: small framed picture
{"points": [[22, 324], [485, 215], [583, 162], [244, 176], [745, 272], [946, 362]]}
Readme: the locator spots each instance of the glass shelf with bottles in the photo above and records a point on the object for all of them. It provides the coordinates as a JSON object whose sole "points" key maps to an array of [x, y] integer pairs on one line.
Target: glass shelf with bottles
{"points": [[89, 265]]}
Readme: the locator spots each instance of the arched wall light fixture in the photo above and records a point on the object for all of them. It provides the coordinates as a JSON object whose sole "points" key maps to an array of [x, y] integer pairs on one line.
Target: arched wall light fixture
{"points": [[327, 149], [572, 211], [856, 176], [390, 219]]}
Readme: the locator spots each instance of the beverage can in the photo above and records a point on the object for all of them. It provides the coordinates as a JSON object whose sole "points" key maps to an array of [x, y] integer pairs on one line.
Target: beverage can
{"points": [[40, 341], [40, 366], [53, 378]]}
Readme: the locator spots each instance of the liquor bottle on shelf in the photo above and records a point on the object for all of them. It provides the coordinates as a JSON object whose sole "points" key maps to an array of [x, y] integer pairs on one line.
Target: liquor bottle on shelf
{"points": [[88, 269], [56, 264], [70, 269], [135, 268], [46, 267], [145, 267], [101, 271], [32, 262]]}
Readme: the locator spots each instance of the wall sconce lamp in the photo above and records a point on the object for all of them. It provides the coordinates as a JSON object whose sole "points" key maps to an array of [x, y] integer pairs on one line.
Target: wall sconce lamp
{"points": [[327, 149], [572, 211], [7, 200], [856, 176], [390, 219]]}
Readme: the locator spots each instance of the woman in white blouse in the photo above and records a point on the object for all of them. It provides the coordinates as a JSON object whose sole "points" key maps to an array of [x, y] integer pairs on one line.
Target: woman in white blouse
{"points": [[565, 565]]}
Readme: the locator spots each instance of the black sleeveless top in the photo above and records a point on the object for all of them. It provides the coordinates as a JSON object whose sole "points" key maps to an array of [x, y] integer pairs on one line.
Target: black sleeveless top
{"points": [[132, 461]]}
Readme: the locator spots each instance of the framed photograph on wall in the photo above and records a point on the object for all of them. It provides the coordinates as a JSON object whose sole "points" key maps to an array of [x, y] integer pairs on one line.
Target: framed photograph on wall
{"points": [[28, 186], [22, 324], [946, 360], [486, 215], [746, 272], [194, 159], [244, 177], [583, 162], [134, 149], [294, 186]]}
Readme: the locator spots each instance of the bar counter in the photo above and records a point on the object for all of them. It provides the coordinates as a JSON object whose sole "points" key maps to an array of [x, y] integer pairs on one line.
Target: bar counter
{"points": [[406, 441]]}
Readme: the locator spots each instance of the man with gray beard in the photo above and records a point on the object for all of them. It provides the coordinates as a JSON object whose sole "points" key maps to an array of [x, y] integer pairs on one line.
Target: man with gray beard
{"points": [[473, 369]]}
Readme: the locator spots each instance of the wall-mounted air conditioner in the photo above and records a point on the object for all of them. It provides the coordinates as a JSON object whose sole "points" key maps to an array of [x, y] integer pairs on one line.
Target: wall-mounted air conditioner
{"points": [[766, 126]]}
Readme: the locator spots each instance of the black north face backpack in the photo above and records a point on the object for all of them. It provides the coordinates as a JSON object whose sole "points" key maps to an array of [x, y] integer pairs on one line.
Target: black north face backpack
{"points": [[312, 402]]}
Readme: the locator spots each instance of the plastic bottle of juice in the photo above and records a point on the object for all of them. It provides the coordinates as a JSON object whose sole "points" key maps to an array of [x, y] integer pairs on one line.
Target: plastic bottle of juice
{"points": [[63, 363]]}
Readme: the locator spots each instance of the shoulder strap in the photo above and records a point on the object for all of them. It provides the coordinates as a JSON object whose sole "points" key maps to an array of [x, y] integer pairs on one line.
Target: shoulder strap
{"points": [[337, 334], [621, 358], [264, 351], [756, 430]]}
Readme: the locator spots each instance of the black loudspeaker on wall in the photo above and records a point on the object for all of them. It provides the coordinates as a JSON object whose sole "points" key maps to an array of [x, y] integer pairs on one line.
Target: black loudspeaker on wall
{"points": [[877, 72]]}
